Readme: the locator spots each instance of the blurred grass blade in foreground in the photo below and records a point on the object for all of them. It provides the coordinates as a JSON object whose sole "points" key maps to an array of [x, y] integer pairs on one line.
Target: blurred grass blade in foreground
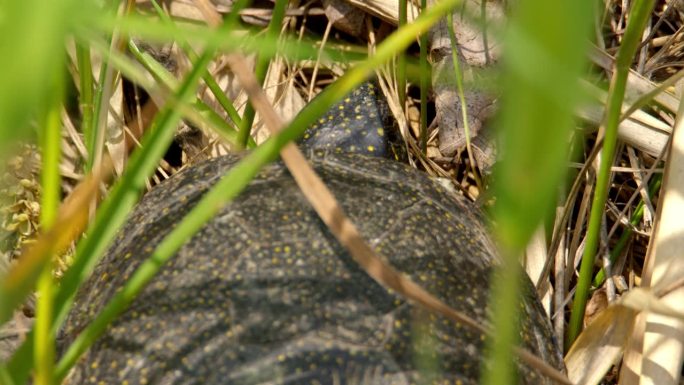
{"points": [[545, 53], [32, 37]]}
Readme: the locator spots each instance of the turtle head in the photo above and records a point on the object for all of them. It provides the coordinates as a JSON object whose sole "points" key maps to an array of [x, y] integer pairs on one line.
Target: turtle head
{"points": [[359, 123]]}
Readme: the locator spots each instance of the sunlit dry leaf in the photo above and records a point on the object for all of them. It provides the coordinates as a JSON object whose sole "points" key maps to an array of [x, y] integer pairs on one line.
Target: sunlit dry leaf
{"points": [[640, 130], [644, 300], [535, 259], [387, 10], [599, 346], [654, 354], [636, 84]]}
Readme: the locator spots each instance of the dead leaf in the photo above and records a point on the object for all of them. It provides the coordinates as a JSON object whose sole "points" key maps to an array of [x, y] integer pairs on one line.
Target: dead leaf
{"points": [[654, 353], [599, 346]]}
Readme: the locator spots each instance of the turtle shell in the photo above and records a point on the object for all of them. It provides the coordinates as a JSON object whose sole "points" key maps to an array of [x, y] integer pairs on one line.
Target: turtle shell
{"points": [[264, 294]]}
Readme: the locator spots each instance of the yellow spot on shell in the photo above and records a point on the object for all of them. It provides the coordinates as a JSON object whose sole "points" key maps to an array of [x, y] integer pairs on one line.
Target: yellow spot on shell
{"points": [[371, 148]]}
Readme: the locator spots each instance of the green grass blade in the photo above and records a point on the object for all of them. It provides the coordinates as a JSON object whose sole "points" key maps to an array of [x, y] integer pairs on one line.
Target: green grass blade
{"points": [[424, 85], [86, 97], [44, 347], [5, 378], [544, 51], [260, 69], [639, 16], [224, 39], [93, 126], [95, 140], [401, 58], [32, 35]]}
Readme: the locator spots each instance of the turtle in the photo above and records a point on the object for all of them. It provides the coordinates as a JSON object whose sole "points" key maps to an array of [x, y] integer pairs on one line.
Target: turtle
{"points": [[264, 294]]}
